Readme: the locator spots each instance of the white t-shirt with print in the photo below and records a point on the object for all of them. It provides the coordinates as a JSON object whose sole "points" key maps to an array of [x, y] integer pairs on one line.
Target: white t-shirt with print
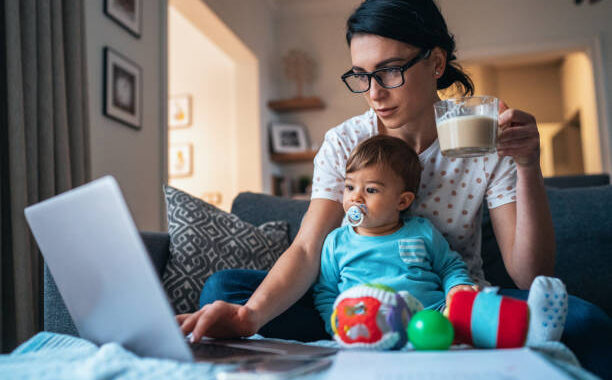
{"points": [[451, 191]]}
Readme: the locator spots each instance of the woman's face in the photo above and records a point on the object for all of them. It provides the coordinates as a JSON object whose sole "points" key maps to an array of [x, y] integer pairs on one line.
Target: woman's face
{"points": [[399, 106]]}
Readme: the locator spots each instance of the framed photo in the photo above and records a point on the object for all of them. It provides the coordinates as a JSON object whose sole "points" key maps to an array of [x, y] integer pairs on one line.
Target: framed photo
{"points": [[180, 160], [288, 138], [179, 111], [122, 89], [127, 13]]}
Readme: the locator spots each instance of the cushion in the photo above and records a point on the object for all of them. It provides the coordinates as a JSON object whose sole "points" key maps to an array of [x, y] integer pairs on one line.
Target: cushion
{"points": [[583, 233], [573, 181], [258, 208], [205, 239]]}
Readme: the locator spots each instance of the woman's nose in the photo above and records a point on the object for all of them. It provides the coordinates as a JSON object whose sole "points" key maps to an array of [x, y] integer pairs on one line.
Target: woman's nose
{"points": [[376, 91]]}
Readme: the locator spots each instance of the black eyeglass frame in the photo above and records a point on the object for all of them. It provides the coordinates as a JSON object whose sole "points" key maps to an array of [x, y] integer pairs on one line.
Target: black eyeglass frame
{"points": [[424, 54]]}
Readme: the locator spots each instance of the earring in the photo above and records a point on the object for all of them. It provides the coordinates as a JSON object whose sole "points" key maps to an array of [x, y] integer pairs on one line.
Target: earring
{"points": [[437, 73]]}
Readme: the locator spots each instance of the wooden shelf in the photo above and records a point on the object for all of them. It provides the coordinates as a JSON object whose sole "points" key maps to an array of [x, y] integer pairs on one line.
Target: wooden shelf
{"points": [[296, 104], [293, 157]]}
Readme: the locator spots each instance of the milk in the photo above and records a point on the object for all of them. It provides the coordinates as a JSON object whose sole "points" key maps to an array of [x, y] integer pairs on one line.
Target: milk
{"points": [[467, 136]]}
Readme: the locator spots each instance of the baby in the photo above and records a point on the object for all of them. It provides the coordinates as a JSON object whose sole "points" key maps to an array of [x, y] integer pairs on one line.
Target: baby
{"points": [[405, 253]]}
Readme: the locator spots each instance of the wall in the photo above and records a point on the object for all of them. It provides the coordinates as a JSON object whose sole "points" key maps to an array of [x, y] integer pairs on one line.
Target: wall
{"points": [[318, 28], [508, 82], [533, 88], [578, 96], [134, 157], [484, 78], [544, 99], [254, 24], [243, 120], [198, 67]]}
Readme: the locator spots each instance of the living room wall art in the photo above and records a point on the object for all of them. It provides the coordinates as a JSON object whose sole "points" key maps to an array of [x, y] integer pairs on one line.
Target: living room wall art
{"points": [[126, 13], [179, 111], [122, 89], [180, 160], [288, 138]]}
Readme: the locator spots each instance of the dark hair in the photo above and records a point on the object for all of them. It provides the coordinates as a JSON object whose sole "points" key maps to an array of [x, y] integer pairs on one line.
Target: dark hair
{"points": [[415, 22], [390, 152]]}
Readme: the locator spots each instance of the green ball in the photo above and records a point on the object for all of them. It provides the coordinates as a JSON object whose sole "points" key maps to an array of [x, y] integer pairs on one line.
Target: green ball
{"points": [[430, 330]]}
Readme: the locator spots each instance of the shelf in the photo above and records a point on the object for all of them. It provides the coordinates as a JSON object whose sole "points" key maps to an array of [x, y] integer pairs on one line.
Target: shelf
{"points": [[296, 104], [308, 155]]}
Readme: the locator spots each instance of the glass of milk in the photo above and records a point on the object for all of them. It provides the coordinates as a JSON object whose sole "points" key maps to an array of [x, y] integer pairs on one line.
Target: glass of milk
{"points": [[467, 127]]}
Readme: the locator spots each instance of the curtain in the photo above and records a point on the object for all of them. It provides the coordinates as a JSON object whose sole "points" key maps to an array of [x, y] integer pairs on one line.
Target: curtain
{"points": [[44, 141]]}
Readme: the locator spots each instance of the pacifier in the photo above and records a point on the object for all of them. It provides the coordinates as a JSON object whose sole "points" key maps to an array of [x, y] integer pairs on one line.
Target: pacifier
{"points": [[356, 214]]}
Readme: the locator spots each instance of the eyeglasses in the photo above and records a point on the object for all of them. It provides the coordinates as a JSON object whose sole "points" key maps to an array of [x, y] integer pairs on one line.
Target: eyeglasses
{"points": [[387, 77]]}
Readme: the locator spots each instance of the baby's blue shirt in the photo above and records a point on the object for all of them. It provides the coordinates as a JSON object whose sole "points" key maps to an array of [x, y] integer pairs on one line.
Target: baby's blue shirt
{"points": [[415, 258]]}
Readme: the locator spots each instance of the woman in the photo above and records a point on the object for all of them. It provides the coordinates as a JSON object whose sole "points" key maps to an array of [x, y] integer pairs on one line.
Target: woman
{"points": [[402, 53]]}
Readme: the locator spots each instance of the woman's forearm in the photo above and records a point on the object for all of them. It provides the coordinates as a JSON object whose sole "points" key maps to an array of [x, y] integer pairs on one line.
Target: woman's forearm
{"points": [[287, 281], [533, 251], [298, 267]]}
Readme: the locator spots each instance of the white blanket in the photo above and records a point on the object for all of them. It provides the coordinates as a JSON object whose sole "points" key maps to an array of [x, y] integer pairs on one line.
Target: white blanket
{"points": [[55, 356]]}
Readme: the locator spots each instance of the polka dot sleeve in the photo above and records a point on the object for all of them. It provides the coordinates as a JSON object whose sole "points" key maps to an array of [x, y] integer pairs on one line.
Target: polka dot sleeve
{"points": [[328, 176], [501, 188]]}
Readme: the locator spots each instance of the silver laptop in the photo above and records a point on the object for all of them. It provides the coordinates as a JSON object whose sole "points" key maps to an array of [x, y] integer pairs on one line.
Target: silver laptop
{"points": [[103, 271]]}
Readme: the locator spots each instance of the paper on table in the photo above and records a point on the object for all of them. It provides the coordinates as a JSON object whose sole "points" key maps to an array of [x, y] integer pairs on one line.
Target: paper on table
{"points": [[506, 364]]}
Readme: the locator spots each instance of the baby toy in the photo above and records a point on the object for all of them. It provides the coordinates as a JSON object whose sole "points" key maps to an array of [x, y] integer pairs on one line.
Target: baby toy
{"points": [[430, 330], [373, 316], [488, 320], [356, 214]]}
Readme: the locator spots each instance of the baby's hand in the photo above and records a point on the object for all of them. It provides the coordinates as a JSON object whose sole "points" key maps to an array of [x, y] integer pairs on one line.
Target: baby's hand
{"points": [[455, 289]]}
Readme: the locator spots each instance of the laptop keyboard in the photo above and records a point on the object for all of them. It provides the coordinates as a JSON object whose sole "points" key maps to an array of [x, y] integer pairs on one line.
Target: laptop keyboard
{"points": [[215, 351]]}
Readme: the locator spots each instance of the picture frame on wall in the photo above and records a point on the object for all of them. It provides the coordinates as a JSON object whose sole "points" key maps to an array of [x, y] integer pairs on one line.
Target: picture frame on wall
{"points": [[122, 89], [180, 160], [180, 111], [288, 138], [126, 13]]}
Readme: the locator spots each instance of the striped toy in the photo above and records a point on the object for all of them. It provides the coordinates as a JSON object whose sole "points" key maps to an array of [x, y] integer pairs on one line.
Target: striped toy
{"points": [[488, 320]]}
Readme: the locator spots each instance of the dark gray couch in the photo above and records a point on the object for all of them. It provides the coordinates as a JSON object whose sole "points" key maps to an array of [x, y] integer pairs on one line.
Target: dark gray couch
{"points": [[581, 209]]}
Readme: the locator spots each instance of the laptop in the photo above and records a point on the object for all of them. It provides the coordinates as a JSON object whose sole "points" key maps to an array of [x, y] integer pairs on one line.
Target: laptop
{"points": [[110, 287]]}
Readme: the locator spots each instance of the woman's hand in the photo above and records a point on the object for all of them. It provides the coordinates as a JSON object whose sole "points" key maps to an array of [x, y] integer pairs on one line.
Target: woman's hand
{"points": [[518, 136], [218, 320]]}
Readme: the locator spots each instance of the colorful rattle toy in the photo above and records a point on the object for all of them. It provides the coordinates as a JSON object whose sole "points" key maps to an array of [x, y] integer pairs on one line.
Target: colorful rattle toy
{"points": [[488, 320], [356, 214], [373, 316]]}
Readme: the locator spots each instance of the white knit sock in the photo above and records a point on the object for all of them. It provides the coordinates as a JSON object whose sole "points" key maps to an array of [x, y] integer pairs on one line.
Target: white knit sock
{"points": [[547, 310]]}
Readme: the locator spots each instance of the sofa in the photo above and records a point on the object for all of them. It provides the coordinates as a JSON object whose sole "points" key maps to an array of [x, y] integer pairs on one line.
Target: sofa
{"points": [[580, 206]]}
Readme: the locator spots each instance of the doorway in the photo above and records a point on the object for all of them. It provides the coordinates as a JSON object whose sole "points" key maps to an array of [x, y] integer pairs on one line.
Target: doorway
{"points": [[213, 116]]}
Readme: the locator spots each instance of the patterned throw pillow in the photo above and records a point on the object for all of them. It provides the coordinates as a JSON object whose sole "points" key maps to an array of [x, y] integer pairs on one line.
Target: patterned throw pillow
{"points": [[205, 239]]}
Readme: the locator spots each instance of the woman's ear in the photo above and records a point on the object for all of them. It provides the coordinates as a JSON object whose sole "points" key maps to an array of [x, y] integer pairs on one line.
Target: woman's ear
{"points": [[406, 199], [438, 60]]}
